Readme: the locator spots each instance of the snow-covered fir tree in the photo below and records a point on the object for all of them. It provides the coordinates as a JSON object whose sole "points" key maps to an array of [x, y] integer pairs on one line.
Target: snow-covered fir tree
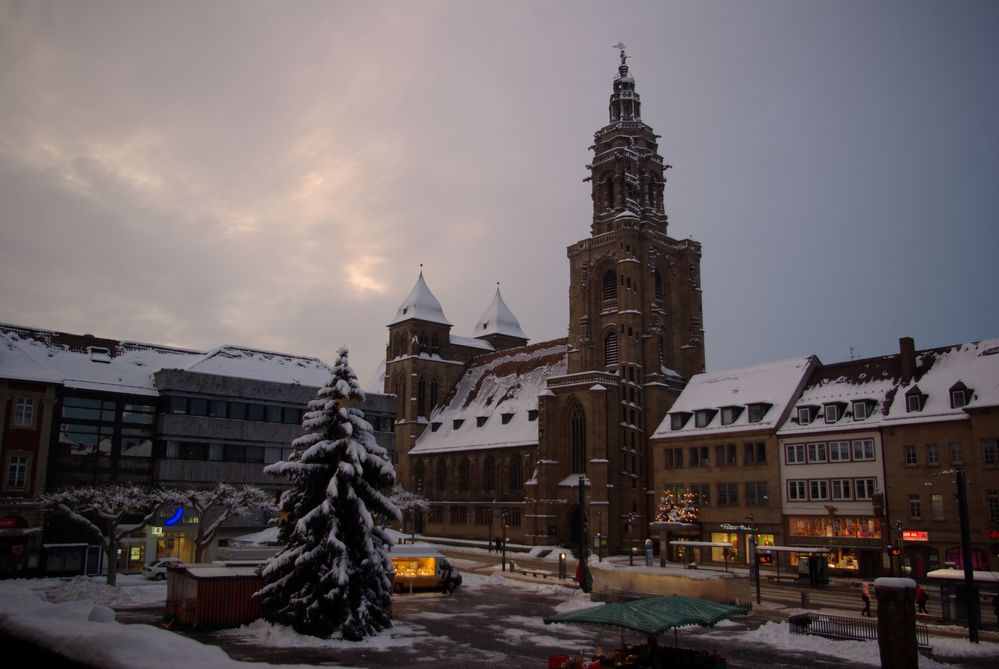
{"points": [[334, 572]]}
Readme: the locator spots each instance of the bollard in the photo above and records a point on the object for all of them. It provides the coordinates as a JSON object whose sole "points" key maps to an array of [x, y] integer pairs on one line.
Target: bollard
{"points": [[561, 565], [804, 599]]}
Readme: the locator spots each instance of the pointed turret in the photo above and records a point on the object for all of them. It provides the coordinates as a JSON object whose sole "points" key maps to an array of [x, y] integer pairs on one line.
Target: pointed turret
{"points": [[499, 326], [421, 305]]}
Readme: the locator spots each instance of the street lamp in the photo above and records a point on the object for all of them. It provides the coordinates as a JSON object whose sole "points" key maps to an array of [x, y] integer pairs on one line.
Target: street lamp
{"points": [[504, 539], [600, 537], [754, 566]]}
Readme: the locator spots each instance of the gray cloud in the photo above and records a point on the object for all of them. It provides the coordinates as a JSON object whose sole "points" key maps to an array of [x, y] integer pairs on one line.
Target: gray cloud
{"points": [[272, 175]]}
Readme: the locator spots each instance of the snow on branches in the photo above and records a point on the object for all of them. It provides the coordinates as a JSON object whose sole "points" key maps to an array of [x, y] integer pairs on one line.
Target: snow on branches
{"points": [[334, 572], [216, 505]]}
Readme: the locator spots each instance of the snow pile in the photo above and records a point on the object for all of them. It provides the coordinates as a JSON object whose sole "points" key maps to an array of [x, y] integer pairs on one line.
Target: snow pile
{"points": [[84, 588]]}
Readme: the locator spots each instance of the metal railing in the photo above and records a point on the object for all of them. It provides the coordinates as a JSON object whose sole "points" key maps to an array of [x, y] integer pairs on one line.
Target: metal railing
{"points": [[838, 627]]}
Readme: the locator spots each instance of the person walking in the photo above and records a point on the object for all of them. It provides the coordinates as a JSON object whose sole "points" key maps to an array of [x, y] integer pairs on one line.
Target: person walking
{"points": [[921, 599], [648, 552], [865, 594]]}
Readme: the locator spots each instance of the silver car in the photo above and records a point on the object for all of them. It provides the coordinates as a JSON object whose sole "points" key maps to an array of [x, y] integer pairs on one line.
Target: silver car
{"points": [[157, 569]]}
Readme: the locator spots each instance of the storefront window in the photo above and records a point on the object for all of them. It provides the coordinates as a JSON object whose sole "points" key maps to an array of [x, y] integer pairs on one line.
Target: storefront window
{"points": [[718, 553], [824, 526]]}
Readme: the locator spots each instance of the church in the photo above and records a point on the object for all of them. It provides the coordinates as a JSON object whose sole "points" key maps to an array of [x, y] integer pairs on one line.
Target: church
{"points": [[501, 434]]}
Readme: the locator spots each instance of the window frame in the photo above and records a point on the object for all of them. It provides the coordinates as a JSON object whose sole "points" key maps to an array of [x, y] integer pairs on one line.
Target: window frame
{"points": [[24, 413], [20, 469]]}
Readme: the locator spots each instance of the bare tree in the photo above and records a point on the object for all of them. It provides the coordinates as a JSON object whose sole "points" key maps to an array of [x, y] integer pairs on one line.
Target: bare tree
{"points": [[109, 512], [223, 501]]}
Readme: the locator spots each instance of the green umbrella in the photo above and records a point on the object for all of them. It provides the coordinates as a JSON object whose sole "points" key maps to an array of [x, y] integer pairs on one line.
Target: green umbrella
{"points": [[653, 615]]}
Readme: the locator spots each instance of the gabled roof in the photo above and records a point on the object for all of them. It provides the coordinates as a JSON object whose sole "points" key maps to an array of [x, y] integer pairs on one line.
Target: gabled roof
{"points": [[976, 364], [498, 319], [771, 383], [420, 304], [873, 379], [506, 382], [95, 363]]}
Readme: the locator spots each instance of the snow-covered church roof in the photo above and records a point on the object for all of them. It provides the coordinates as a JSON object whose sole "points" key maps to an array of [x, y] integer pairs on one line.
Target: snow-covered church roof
{"points": [[495, 402], [420, 304], [498, 319]]}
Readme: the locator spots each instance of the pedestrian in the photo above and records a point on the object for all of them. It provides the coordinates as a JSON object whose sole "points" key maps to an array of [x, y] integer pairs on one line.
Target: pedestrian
{"points": [[648, 552], [865, 594], [921, 598]]}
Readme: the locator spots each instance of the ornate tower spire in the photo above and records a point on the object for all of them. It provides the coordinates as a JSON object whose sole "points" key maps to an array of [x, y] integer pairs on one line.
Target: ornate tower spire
{"points": [[627, 171]]}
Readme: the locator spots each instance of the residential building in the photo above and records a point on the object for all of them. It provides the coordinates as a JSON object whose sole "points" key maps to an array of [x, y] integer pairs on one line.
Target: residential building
{"points": [[719, 440]]}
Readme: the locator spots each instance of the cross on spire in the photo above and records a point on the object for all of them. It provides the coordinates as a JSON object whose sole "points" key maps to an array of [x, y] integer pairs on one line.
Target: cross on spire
{"points": [[624, 57]]}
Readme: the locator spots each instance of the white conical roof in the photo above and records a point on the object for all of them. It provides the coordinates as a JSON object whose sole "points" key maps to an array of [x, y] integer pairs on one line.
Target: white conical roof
{"points": [[498, 319], [420, 304]]}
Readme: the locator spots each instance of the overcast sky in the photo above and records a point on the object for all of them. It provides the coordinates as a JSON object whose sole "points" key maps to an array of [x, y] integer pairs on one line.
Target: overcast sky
{"points": [[272, 174]]}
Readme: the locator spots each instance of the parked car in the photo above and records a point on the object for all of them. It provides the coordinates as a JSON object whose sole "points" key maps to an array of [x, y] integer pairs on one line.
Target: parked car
{"points": [[157, 569]]}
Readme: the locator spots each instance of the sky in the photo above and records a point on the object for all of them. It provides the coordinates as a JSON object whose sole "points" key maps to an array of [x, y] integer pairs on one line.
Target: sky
{"points": [[273, 175]]}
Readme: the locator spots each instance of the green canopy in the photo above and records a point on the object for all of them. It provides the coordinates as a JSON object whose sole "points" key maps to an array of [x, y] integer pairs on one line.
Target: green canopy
{"points": [[653, 615]]}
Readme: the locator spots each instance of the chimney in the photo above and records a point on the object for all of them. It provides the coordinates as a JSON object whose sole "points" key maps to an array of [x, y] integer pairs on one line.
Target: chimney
{"points": [[907, 358]]}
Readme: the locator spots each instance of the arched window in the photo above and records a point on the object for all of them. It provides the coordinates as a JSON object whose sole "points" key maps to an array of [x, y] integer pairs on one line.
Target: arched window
{"points": [[441, 478], [516, 474], [577, 439], [657, 279], [418, 476], [610, 287], [610, 192], [464, 474], [489, 473], [421, 397], [610, 348], [433, 394], [433, 344]]}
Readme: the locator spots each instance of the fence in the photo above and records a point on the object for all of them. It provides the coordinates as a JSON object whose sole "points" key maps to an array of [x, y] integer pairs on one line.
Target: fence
{"points": [[838, 627]]}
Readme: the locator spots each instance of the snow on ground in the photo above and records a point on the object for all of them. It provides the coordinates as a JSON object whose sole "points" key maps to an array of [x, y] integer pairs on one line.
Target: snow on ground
{"points": [[400, 635]]}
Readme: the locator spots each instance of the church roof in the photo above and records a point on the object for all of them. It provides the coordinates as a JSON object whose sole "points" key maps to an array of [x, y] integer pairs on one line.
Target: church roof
{"points": [[493, 404], [420, 304], [498, 319]]}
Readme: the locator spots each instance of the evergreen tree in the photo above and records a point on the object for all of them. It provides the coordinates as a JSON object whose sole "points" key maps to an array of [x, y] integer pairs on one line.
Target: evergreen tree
{"points": [[682, 510], [334, 572]]}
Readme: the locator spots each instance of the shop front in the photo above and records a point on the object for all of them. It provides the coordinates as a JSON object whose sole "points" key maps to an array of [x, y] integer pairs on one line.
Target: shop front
{"points": [[738, 536], [19, 547], [172, 534], [854, 543]]}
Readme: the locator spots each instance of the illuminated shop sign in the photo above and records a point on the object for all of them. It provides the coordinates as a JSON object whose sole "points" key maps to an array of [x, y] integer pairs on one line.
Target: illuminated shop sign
{"points": [[915, 535]]}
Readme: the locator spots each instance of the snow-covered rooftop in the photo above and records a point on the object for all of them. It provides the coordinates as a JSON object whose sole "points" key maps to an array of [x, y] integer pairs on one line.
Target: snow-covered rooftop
{"points": [[975, 364], [420, 304], [500, 388], [498, 319], [772, 383], [93, 363]]}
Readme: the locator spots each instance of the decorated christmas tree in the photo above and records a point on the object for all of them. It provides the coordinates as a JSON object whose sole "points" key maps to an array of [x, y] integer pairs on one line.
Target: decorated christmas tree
{"points": [[334, 572], [678, 510]]}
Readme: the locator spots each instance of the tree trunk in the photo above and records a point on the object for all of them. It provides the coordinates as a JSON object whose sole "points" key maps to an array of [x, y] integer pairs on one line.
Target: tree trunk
{"points": [[112, 555]]}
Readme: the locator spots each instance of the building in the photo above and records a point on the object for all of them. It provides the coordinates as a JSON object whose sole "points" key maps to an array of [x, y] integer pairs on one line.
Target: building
{"points": [[86, 410], [719, 441], [533, 423], [862, 455]]}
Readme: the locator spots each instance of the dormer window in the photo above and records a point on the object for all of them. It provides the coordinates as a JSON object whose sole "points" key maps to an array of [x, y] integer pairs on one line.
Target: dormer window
{"points": [[456, 424], [914, 400], [703, 416], [861, 409], [804, 415], [434, 427], [831, 413], [758, 411], [506, 417], [532, 415], [99, 353], [481, 420], [678, 420], [730, 414], [960, 395]]}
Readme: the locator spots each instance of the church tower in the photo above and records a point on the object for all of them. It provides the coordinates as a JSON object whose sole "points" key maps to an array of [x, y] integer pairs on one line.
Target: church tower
{"points": [[635, 336]]}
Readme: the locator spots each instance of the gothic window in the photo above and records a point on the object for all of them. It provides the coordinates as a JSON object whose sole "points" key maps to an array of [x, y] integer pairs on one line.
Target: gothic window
{"points": [[489, 473], [441, 478], [610, 287], [657, 279], [609, 203], [433, 344], [433, 394], [418, 476], [421, 397], [610, 348], [516, 474], [577, 439], [464, 474]]}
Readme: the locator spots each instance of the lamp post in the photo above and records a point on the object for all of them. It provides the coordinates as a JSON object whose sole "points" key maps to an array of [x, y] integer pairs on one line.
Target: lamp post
{"points": [[504, 539], [754, 565], [970, 591], [901, 549], [600, 537]]}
